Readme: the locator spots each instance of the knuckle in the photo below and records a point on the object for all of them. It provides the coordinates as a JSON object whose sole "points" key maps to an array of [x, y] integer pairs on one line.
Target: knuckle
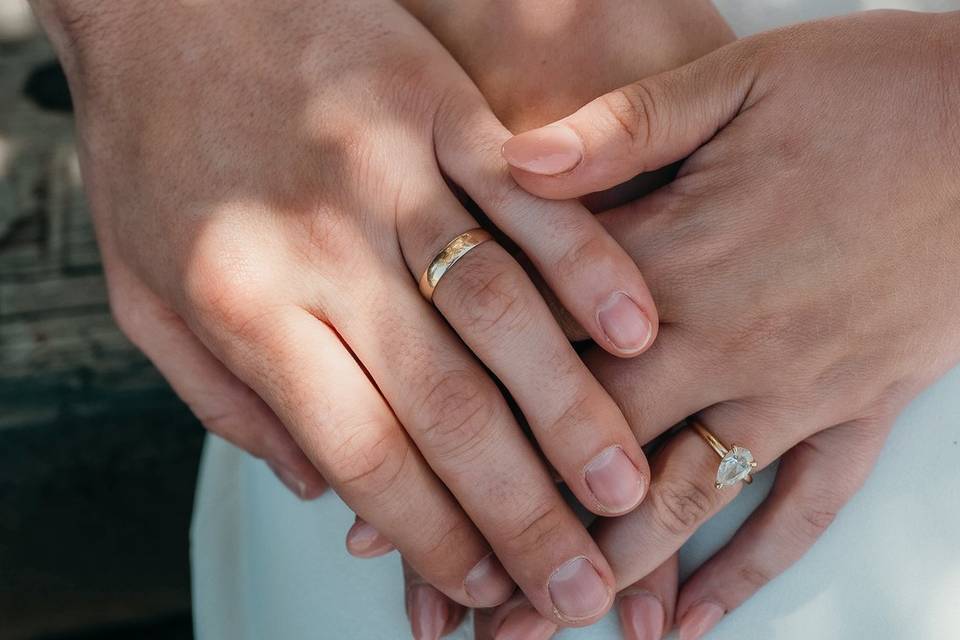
{"points": [[368, 461], [536, 532], [590, 252], [680, 505], [225, 296], [575, 414], [814, 520], [459, 414], [448, 539], [632, 112], [753, 577], [491, 300]]}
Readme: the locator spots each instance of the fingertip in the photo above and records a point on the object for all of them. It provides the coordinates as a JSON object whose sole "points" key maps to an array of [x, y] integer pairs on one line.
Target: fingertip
{"points": [[615, 481], [429, 611], [488, 584], [642, 617], [628, 329], [699, 619], [365, 541], [548, 151]]}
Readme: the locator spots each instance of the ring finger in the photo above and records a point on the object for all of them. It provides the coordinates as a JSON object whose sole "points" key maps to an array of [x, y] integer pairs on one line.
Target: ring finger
{"points": [[683, 494]]}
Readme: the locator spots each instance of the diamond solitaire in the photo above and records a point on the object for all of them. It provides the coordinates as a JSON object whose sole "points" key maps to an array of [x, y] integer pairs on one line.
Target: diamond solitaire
{"points": [[736, 463]]}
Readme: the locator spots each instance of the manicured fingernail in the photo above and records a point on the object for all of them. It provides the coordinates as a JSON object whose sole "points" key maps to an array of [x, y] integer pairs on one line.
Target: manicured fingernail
{"points": [[364, 541], [642, 617], [699, 619], [523, 623], [614, 480], [578, 591], [627, 326], [547, 151], [488, 583], [428, 613], [289, 480]]}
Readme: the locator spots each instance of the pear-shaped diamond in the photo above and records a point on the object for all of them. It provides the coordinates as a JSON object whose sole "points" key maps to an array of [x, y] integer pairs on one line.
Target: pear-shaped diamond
{"points": [[734, 467]]}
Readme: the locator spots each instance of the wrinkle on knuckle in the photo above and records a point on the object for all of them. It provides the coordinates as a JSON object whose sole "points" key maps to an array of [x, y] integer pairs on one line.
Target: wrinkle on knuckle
{"points": [[681, 505], [368, 461], [754, 577], [459, 413], [575, 414], [536, 531], [449, 539], [814, 521], [588, 253], [492, 302], [632, 110]]}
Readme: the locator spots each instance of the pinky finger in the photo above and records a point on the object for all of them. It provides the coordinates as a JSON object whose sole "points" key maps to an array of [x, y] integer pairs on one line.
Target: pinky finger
{"points": [[806, 495], [432, 615], [646, 607]]}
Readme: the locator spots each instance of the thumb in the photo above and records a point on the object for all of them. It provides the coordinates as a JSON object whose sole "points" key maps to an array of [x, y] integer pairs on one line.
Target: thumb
{"points": [[635, 129]]}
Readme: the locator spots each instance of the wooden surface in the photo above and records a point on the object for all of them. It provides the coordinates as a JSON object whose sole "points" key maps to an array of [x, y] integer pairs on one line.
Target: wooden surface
{"points": [[97, 457]]}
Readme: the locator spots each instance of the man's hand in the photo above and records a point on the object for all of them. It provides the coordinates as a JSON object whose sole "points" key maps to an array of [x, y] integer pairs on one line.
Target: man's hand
{"points": [[268, 183]]}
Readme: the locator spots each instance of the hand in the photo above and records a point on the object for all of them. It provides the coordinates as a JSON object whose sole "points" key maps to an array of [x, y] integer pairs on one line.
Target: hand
{"points": [[530, 79], [265, 187], [804, 262]]}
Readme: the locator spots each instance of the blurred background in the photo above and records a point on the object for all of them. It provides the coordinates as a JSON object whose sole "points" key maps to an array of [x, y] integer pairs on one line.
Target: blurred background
{"points": [[98, 458]]}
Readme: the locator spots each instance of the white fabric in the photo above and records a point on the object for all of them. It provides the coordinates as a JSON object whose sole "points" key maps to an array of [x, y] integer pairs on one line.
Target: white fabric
{"points": [[268, 567]]}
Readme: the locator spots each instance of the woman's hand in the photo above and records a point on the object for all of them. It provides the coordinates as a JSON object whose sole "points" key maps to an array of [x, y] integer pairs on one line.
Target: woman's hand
{"points": [[805, 263], [265, 184]]}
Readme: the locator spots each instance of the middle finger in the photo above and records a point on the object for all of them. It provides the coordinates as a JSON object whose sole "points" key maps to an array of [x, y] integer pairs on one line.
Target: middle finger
{"points": [[464, 428]]}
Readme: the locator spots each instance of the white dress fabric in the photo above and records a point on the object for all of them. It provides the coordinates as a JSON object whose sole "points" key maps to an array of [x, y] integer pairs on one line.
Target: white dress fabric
{"points": [[269, 567]]}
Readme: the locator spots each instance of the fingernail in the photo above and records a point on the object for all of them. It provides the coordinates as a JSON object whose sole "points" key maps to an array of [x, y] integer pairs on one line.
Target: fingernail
{"points": [[523, 623], [614, 480], [488, 583], [289, 479], [365, 541], [547, 151], [577, 590], [699, 619], [428, 613], [642, 617], [625, 324]]}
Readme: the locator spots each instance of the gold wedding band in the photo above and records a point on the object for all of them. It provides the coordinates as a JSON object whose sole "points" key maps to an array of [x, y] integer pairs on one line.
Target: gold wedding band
{"points": [[455, 249], [736, 463]]}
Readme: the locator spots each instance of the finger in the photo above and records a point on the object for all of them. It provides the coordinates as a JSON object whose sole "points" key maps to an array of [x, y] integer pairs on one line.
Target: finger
{"points": [[646, 607], [431, 614], [635, 129], [661, 389], [299, 365], [683, 494], [591, 274], [516, 619], [223, 404], [494, 307], [463, 426], [814, 480], [364, 541]]}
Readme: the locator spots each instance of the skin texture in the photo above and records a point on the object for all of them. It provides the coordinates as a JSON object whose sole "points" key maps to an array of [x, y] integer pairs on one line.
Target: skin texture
{"points": [[536, 62], [262, 243], [805, 264]]}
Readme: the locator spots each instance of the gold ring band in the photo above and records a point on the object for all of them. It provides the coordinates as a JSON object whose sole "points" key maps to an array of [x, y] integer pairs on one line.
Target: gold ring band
{"points": [[736, 463], [455, 249]]}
